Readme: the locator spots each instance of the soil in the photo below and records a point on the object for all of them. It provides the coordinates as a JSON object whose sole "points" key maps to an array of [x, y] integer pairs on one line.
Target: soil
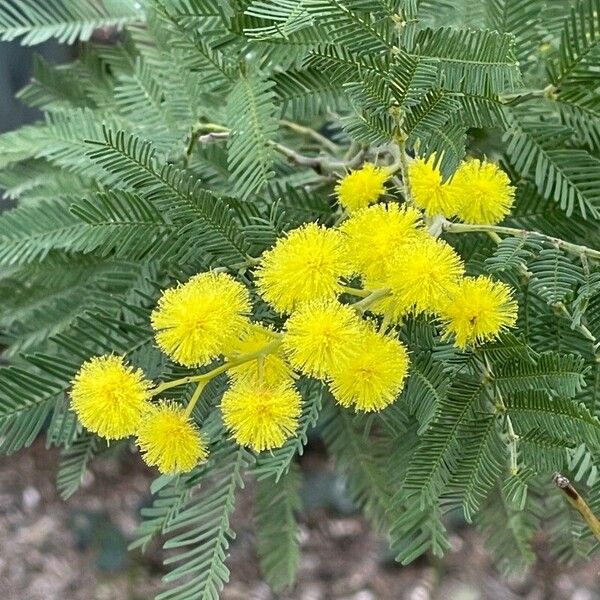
{"points": [[76, 550]]}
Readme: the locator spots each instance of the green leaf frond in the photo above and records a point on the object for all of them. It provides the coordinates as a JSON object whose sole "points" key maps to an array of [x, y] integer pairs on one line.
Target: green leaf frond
{"points": [[277, 530], [199, 552], [65, 20]]}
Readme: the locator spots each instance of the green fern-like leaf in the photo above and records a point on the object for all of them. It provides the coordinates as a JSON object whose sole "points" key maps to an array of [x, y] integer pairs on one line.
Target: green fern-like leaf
{"points": [[200, 551], [252, 116], [578, 56], [65, 20], [277, 530]]}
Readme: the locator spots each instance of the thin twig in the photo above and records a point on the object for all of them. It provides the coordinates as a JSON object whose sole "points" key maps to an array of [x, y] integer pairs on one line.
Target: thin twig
{"points": [[205, 377], [373, 297], [312, 133], [208, 132], [582, 251], [213, 136], [404, 167], [578, 503], [321, 164], [576, 249], [195, 397], [511, 435]]}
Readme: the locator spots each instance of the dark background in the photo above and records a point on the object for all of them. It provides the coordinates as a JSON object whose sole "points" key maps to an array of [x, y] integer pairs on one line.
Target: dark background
{"points": [[15, 71]]}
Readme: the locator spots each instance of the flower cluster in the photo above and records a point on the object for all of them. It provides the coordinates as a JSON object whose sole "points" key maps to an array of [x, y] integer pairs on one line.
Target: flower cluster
{"points": [[346, 335], [479, 192], [196, 323], [113, 400]]}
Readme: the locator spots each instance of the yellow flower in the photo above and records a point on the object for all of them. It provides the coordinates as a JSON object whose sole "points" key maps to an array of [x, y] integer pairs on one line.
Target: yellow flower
{"points": [[428, 189], [259, 415], [169, 440], [274, 368], [478, 311], [372, 235], [362, 187], [372, 378], [109, 397], [483, 192], [423, 275], [319, 334], [305, 264], [197, 321]]}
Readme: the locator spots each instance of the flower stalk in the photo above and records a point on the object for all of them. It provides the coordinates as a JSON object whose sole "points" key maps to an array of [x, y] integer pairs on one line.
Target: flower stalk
{"points": [[206, 377], [569, 247]]}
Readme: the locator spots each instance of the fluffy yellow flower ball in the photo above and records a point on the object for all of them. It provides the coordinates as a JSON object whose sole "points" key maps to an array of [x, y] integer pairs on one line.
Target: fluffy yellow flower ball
{"points": [[319, 334], [199, 320], [371, 379], [362, 187], [272, 368], [483, 192], [305, 264], [373, 234], [169, 440], [109, 397], [424, 274], [428, 189], [478, 311], [261, 416]]}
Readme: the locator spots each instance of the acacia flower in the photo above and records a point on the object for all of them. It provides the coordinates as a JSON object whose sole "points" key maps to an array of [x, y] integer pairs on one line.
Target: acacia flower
{"points": [[423, 274], [478, 311], [169, 440], [428, 189], [319, 334], [259, 415], [362, 187], [372, 235], [483, 192], [197, 321], [307, 263], [109, 396], [272, 368], [371, 379]]}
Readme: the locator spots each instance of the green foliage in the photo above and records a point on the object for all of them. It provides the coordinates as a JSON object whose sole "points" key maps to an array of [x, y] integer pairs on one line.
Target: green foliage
{"points": [[277, 531], [65, 20], [208, 130]]}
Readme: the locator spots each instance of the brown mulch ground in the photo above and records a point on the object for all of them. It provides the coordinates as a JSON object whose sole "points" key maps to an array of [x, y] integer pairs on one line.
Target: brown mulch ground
{"points": [[76, 550]]}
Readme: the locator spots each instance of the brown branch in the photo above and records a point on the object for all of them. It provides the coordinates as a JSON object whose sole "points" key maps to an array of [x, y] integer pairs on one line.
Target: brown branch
{"points": [[578, 503]]}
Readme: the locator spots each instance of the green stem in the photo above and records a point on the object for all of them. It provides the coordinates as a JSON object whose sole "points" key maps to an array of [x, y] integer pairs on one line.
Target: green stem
{"points": [[522, 233], [511, 435], [210, 127], [348, 289], [373, 297], [513, 99], [195, 397], [250, 261], [580, 327], [403, 162], [206, 377], [513, 439], [385, 323]]}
